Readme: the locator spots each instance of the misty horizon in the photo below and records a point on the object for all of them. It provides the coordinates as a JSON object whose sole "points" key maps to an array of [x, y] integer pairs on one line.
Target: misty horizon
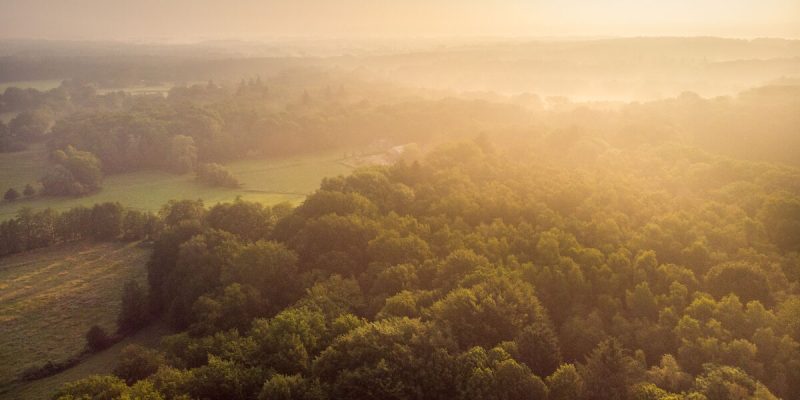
{"points": [[191, 21]]}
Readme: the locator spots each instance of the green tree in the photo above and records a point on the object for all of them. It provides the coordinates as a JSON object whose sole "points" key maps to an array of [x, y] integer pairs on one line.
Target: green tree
{"points": [[747, 281], [29, 191], [135, 311], [393, 358], [495, 375], [609, 372], [95, 387], [30, 126], [183, 154], [135, 363], [291, 387], [216, 175], [566, 384], [107, 221], [490, 312], [75, 173], [11, 195], [538, 348], [97, 339]]}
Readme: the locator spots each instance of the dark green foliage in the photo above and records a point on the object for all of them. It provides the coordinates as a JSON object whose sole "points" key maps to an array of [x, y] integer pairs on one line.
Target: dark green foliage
{"points": [[747, 281], [135, 311], [29, 191], [137, 225], [216, 175], [489, 312], [781, 216], [396, 358], [495, 375], [11, 195], [294, 387], [107, 221], [29, 126], [183, 154], [178, 211], [250, 221], [566, 384], [94, 387], [75, 173], [537, 347], [609, 372], [471, 276], [136, 362], [97, 339], [225, 380]]}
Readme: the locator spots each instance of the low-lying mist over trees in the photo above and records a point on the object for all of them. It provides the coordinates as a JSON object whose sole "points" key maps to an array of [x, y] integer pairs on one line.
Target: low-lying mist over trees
{"points": [[586, 219]]}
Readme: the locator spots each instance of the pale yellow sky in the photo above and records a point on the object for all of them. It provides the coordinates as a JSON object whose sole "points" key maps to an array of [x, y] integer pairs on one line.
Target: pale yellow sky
{"points": [[251, 19]]}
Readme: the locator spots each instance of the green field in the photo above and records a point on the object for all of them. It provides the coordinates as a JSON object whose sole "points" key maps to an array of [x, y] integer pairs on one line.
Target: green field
{"points": [[22, 167], [267, 181], [49, 298], [99, 363]]}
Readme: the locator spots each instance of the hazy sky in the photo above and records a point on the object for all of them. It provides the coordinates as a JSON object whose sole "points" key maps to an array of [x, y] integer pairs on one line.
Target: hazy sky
{"points": [[186, 20]]}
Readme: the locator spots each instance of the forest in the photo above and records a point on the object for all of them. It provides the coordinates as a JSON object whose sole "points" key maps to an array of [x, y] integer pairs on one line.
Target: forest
{"points": [[561, 251], [663, 272], [600, 218]]}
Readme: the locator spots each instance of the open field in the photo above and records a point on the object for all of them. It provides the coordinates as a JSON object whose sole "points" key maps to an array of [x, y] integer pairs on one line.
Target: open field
{"points": [[22, 167], [49, 298], [267, 181], [99, 363]]}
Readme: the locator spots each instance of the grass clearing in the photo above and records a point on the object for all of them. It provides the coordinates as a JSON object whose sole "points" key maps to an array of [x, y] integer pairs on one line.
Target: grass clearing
{"points": [[99, 363], [269, 181], [50, 297], [22, 167]]}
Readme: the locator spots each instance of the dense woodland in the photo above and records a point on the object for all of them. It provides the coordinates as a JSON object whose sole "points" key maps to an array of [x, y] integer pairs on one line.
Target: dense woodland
{"points": [[653, 272]]}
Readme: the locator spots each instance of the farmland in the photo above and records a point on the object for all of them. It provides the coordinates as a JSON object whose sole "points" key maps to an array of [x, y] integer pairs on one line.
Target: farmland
{"points": [[49, 298], [268, 181]]}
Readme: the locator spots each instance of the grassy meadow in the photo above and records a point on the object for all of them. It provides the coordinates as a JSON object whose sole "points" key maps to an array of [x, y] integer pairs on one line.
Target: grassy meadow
{"points": [[49, 298], [268, 181], [98, 363]]}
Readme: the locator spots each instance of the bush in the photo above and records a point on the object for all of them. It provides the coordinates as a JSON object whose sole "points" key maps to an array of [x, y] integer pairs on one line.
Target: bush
{"points": [[76, 173], [216, 175], [136, 363], [97, 339], [49, 368], [11, 195], [135, 310], [29, 190]]}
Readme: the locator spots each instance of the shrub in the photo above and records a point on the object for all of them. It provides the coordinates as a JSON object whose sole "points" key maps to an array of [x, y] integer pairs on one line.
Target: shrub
{"points": [[216, 175], [11, 195], [97, 339]]}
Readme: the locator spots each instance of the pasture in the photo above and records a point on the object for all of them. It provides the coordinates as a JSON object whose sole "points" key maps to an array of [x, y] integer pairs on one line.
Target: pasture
{"points": [[50, 297], [269, 181]]}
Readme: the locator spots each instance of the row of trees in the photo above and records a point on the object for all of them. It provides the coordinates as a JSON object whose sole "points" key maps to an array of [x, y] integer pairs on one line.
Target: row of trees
{"points": [[660, 273], [12, 194], [106, 221]]}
